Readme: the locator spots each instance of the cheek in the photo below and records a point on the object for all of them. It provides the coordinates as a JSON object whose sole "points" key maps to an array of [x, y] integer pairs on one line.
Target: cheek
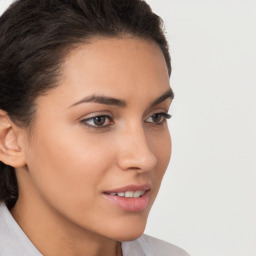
{"points": [[68, 166], [162, 147]]}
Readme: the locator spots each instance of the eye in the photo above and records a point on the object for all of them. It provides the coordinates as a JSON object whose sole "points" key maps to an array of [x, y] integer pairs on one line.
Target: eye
{"points": [[158, 118], [97, 121]]}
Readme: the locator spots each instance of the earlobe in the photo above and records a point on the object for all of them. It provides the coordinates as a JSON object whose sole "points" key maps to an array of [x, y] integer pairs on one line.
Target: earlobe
{"points": [[10, 151]]}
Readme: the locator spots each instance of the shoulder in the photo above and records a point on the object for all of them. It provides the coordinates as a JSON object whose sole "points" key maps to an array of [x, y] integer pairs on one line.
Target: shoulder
{"points": [[13, 240], [150, 246]]}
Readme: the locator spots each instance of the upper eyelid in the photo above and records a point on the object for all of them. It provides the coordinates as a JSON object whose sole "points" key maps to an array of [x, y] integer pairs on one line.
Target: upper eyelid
{"points": [[96, 114], [165, 115], [113, 116], [91, 117], [157, 111]]}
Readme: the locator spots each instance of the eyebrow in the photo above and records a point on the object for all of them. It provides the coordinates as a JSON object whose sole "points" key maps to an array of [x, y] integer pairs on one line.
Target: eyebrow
{"points": [[102, 100], [163, 97], [119, 102]]}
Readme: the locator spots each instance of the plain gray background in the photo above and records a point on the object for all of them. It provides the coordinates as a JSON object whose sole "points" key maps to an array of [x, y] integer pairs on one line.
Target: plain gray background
{"points": [[207, 201]]}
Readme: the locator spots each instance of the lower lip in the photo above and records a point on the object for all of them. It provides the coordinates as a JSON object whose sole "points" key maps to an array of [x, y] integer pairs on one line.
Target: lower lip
{"points": [[130, 204]]}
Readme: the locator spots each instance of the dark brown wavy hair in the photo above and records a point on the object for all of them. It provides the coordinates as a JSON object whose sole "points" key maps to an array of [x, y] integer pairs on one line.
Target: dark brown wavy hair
{"points": [[35, 37]]}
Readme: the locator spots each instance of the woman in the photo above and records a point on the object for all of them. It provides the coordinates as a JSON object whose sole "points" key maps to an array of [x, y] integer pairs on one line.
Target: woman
{"points": [[84, 142]]}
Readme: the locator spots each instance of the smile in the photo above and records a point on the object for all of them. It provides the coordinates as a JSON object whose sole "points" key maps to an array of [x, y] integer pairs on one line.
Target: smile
{"points": [[130, 198], [129, 194]]}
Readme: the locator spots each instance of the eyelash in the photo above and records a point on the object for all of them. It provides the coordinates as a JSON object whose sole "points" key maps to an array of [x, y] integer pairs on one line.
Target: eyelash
{"points": [[84, 122]]}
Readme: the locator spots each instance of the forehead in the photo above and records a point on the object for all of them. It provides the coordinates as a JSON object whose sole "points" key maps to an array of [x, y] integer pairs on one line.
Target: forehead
{"points": [[116, 62], [116, 67]]}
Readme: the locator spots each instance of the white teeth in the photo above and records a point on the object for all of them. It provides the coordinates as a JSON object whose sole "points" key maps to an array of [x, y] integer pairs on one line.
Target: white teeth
{"points": [[138, 193], [129, 194], [134, 194]]}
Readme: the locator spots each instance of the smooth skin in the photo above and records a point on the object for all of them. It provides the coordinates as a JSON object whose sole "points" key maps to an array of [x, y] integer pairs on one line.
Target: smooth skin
{"points": [[80, 148]]}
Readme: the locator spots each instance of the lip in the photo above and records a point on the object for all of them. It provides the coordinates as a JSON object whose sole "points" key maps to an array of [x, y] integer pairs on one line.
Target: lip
{"points": [[132, 187], [129, 204]]}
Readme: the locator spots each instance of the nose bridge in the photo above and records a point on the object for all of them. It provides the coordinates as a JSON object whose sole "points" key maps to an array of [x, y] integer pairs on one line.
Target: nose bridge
{"points": [[135, 152]]}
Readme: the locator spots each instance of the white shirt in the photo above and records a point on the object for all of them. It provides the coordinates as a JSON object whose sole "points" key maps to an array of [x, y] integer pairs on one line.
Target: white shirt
{"points": [[14, 242]]}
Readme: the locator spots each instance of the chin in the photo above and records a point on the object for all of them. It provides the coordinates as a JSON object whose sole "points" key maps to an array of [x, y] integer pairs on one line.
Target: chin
{"points": [[130, 231], [128, 236]]}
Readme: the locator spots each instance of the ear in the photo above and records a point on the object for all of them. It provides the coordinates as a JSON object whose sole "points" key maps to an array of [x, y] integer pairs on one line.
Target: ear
{"points": [[11, 152]]}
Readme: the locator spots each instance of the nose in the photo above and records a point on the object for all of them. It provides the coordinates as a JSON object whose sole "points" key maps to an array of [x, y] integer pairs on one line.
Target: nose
{"points": [[135, 152]]}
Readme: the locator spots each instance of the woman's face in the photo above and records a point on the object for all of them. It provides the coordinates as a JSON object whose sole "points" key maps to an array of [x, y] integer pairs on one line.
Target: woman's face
{"points": [[102, 131]]}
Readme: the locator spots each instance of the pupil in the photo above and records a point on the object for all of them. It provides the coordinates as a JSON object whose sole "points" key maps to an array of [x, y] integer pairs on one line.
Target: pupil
{"points": [[157, 118], [99, 120]]}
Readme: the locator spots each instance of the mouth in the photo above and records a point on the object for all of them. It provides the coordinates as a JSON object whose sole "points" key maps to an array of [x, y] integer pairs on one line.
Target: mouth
{"points": [[128, 194], [130, 198]]}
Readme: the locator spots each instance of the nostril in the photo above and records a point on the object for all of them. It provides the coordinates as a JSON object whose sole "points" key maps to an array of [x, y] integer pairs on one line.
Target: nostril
{"points": [[134, 168]]}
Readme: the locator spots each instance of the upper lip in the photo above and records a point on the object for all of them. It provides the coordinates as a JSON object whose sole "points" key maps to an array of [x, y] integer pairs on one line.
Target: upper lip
{"points": [[131, 187]]}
